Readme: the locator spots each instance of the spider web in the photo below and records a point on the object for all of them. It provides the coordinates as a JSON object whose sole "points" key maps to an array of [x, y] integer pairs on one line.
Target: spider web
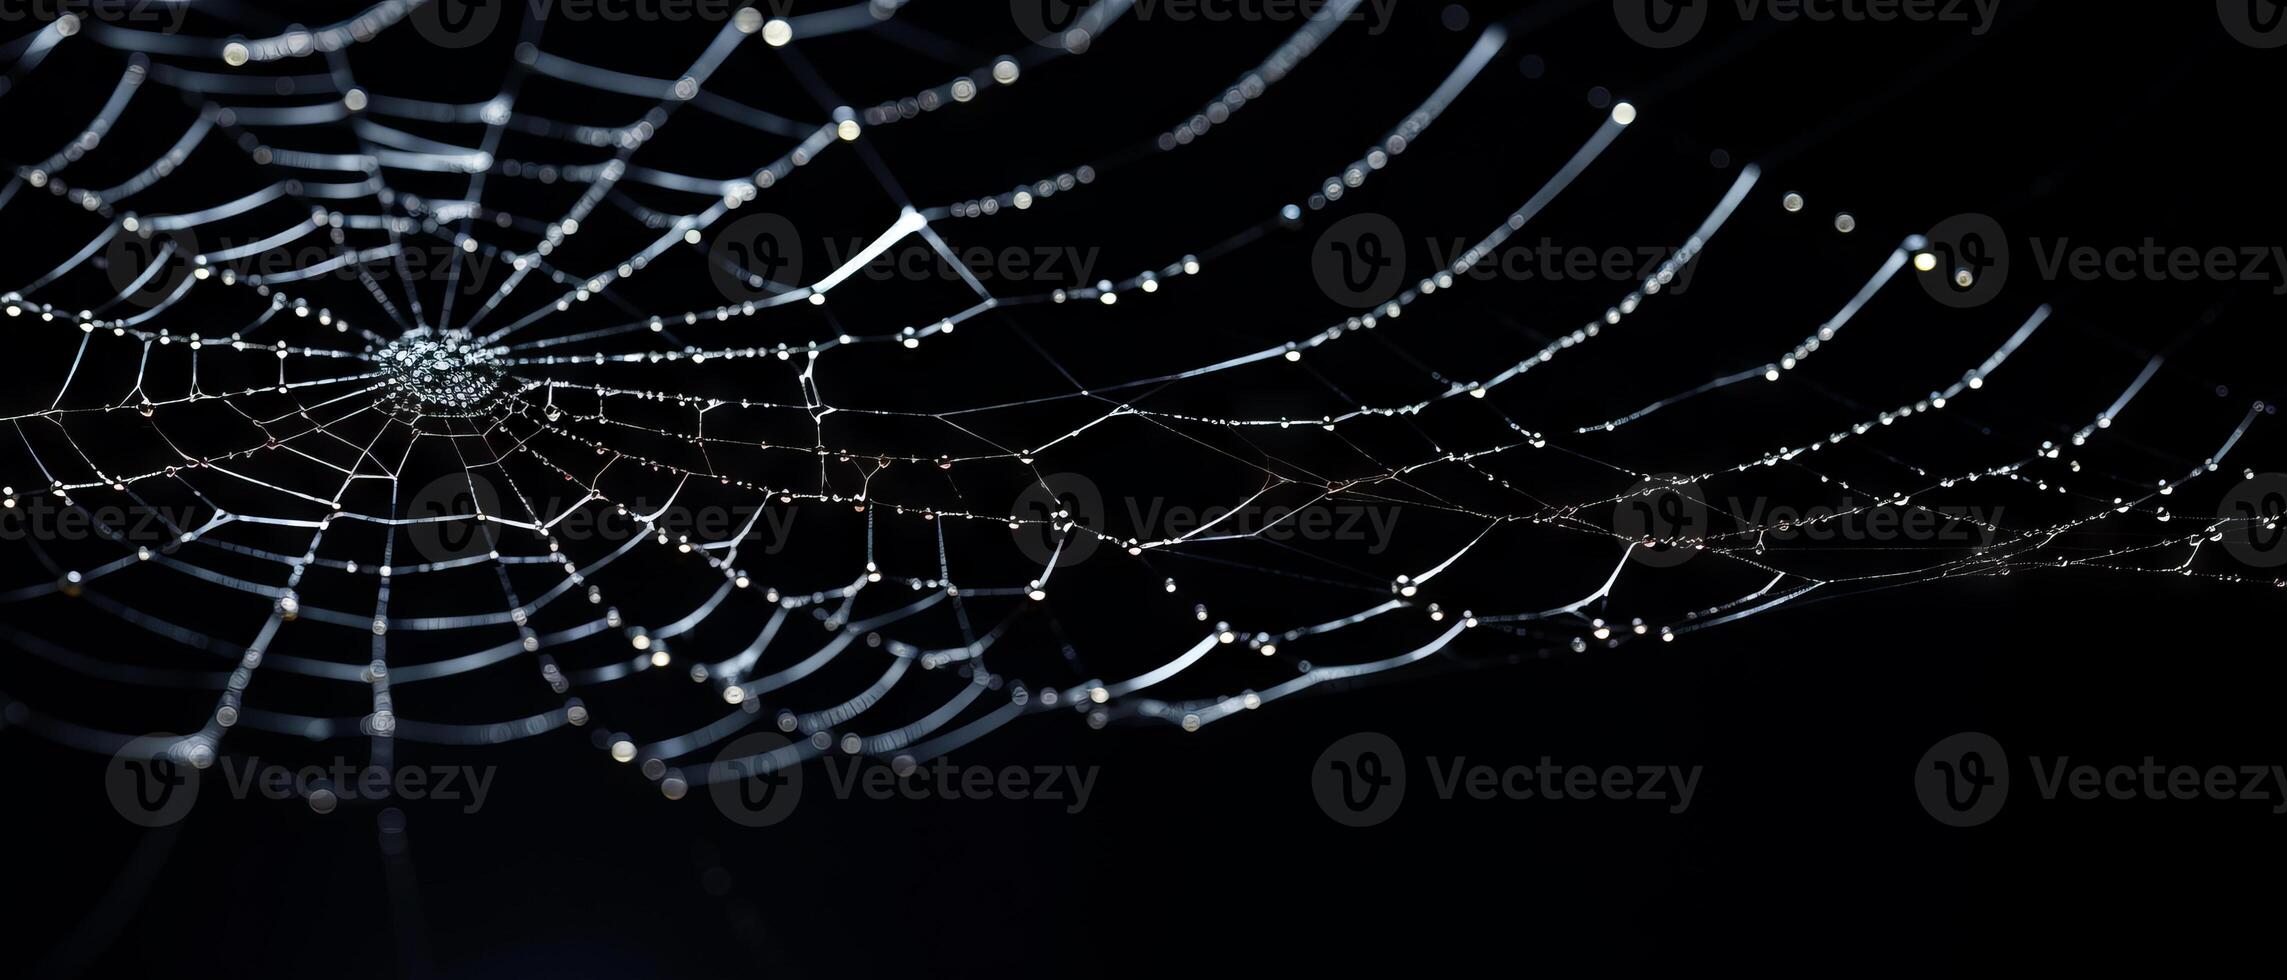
{"points": [[331, 491]]}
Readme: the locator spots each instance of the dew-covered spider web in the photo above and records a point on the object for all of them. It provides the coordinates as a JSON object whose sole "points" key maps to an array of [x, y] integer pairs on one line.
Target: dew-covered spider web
{"points": [[459, 406]]}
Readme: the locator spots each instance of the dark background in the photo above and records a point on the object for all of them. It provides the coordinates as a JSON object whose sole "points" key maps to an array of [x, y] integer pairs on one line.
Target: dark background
{"points": [[1805, 847]]}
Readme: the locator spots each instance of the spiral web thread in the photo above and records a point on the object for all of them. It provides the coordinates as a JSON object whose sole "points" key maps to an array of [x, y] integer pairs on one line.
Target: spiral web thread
{"points": [[482, 376]]}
